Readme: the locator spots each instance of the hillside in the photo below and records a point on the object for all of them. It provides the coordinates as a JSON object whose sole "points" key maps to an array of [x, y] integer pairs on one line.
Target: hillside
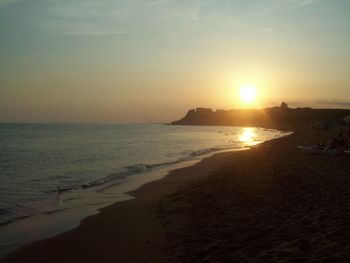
{"points": [[268, 117]]}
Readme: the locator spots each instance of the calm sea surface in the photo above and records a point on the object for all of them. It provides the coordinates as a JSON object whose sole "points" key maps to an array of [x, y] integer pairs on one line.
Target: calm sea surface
{"points": [[45, 168]]}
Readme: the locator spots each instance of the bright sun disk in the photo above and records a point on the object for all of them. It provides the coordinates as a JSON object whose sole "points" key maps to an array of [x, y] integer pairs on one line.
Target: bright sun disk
{"points": [[248, 93]]}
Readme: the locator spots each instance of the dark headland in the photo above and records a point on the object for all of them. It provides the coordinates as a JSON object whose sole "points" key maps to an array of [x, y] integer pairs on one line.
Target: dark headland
{"points": [[267, 204], [274, 117]]}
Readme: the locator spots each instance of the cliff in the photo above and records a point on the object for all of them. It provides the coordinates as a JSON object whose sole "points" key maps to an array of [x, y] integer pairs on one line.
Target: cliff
{"points": [[267, 117]]}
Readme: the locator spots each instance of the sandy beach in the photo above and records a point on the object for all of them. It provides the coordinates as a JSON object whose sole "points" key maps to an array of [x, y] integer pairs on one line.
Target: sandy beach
{"points": [[267, 204], [156, 131]]}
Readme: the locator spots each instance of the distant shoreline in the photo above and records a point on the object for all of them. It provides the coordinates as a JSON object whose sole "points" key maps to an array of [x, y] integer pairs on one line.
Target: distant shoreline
{"points": [[281, 117]]}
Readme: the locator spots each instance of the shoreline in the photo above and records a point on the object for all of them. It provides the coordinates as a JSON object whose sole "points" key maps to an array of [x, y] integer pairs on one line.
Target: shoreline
{"points": [[60, 221], [50, 224], [267, 204], [142, 197]]}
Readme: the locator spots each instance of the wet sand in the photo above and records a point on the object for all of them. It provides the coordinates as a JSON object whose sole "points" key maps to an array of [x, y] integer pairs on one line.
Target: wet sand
{"points": [[268, 204]]}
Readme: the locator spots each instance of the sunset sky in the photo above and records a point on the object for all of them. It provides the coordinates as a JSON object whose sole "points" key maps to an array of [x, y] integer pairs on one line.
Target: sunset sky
{"points": [[140, 61]]}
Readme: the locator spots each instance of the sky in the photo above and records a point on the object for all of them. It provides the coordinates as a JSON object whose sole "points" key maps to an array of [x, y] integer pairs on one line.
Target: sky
{"points": [[151, 61]]}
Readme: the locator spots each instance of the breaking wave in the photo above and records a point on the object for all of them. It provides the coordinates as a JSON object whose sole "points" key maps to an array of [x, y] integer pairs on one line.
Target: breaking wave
{"points": [[141, 168]]}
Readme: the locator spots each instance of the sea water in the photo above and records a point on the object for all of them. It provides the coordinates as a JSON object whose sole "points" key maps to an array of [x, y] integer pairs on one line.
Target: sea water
{"points": [[48, 168]]}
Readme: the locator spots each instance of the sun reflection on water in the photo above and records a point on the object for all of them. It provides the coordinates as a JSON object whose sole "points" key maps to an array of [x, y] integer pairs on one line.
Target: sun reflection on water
{"points": [[248, 135]]}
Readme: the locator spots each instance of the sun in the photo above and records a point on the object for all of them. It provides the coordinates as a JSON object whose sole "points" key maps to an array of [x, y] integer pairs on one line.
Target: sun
{"points": [[248, 93]]}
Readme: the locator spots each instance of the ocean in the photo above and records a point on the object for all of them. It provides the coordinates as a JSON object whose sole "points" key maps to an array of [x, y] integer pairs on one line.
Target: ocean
{"points": [[75, 169]]}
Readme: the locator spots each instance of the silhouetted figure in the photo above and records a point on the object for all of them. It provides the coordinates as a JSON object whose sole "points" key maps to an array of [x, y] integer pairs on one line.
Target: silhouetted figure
{"points": [[284, 106]]}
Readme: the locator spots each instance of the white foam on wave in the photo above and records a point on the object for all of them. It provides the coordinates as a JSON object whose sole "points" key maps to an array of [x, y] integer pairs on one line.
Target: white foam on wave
{"points": [[143, 168]]}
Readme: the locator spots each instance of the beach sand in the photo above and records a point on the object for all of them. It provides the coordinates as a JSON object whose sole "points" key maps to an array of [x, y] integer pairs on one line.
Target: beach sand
{"points": [[267, 204]]}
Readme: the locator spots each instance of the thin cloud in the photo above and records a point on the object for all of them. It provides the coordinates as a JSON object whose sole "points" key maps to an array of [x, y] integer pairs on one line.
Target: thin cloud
{"points": [[334, 102], [93, 18], [307, 2], [95, 33], [100, 18], [279, 5], [7, 2]]}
